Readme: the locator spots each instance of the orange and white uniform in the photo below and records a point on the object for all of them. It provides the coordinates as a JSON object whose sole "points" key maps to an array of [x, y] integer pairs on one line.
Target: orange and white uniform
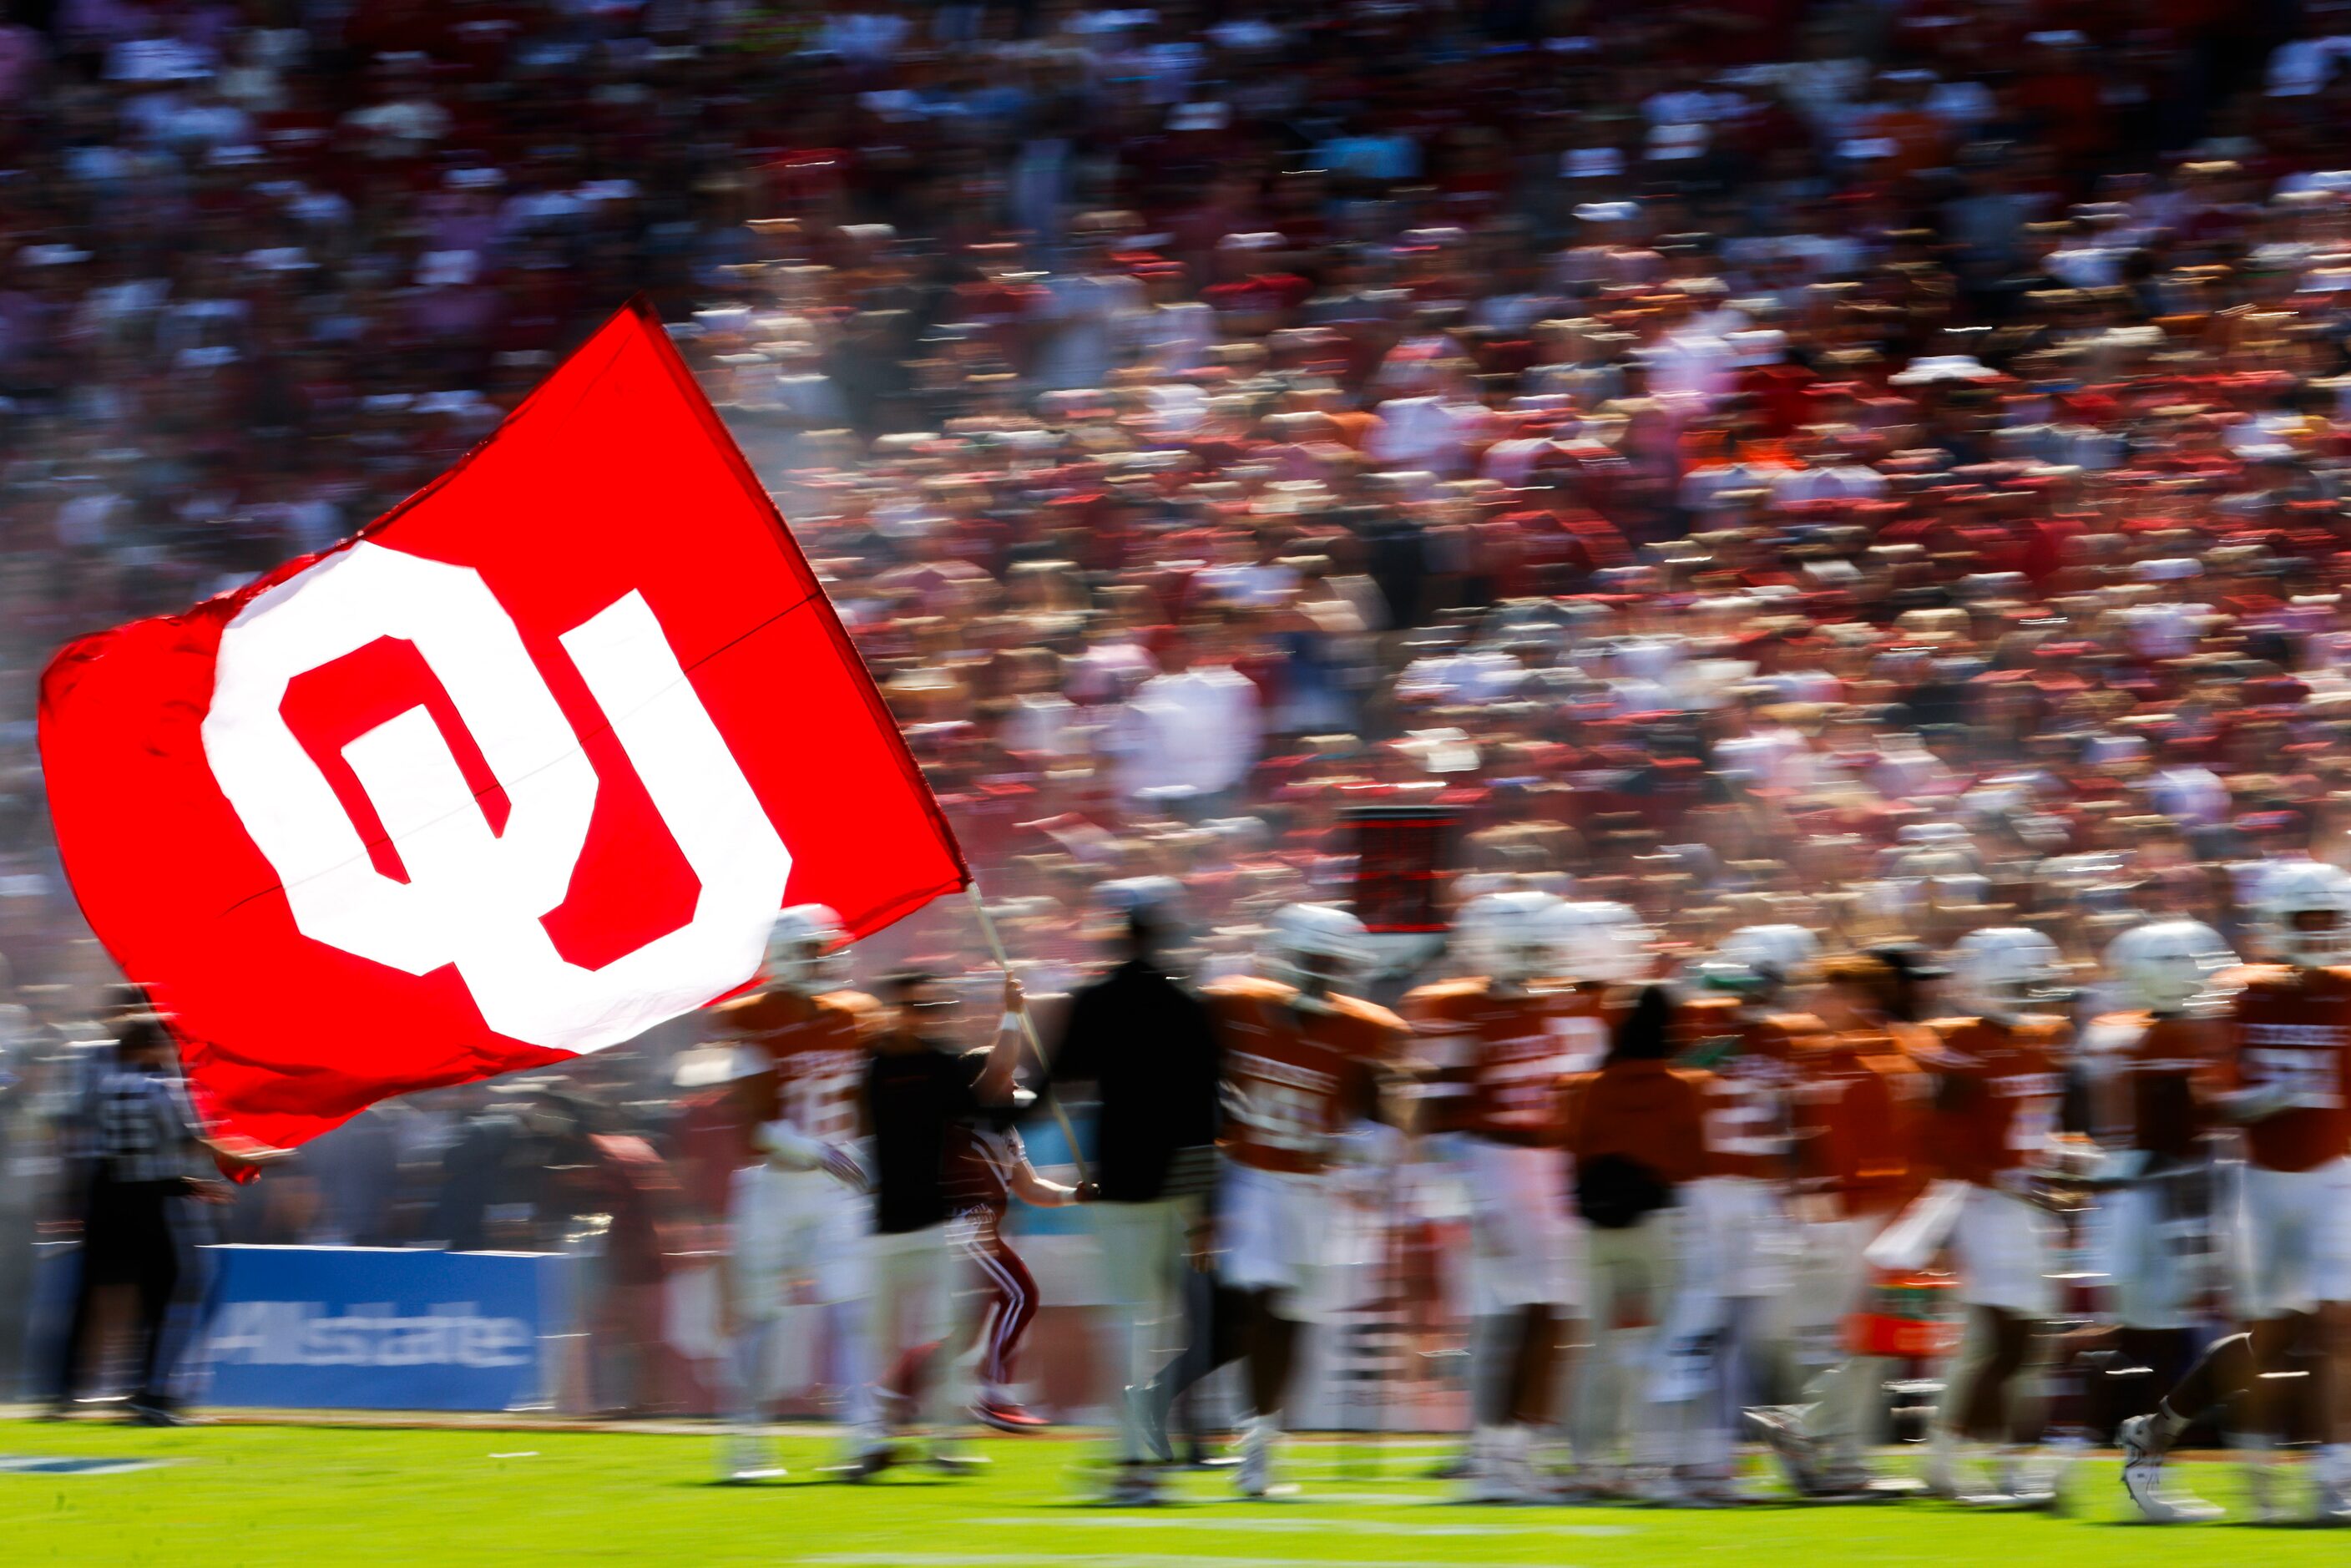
{"points": [[1994, 1109], [1496, 1060], [1859, 1102], [1754, 1059], [818, 1046], [2288, 1065], [1296, 1080], [790, 1217], [2154, 1076]]}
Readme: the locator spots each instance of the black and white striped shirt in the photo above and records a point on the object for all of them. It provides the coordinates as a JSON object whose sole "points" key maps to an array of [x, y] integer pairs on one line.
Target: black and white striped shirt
{"points": [[146, 1125]]}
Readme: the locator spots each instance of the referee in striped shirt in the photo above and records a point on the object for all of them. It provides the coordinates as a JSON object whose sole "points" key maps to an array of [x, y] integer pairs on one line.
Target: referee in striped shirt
{"points": [[148, 1149]]}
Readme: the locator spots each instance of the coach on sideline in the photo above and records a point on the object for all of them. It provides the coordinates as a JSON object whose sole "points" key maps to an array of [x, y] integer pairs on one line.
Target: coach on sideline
{"points": [[1145, 1042]]}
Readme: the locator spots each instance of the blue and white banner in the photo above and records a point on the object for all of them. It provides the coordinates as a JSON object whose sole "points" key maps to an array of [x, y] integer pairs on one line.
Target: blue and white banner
{"points": [[363, 1328]]}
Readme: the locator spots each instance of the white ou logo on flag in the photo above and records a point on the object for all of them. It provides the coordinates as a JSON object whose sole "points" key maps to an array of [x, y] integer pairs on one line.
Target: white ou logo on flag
{"points": [[474, 898]]}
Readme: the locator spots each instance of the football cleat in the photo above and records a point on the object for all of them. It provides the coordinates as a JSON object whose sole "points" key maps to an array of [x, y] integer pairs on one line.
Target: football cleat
{"points": [[1148, 1409], [871, 1461], [1254, 1478], [2331, 1470], [1135, 1486], [2143, 1477], [1004, 1415], [1596, 1482], [744, 1460], [951, 1460], [1498, 1477], [1941, 1472], [1798, 1455], [2018, 1483], [1718, 1489], [1457, 1466]]}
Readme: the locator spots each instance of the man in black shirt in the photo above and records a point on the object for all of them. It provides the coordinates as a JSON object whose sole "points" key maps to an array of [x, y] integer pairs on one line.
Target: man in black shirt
{"points": [[1147, 1045], [916, 1087]]}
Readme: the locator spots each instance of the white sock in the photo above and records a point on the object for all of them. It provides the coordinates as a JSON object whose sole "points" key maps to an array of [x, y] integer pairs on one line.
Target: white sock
{"points": [[2335, 1465]]}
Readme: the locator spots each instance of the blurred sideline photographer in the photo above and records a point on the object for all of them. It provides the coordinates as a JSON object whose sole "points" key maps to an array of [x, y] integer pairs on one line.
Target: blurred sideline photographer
{"points": [[148, 1149]]}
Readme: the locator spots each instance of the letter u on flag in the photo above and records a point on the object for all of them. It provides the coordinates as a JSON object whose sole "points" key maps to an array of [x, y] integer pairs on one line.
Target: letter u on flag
{"points": [[524, 769]]}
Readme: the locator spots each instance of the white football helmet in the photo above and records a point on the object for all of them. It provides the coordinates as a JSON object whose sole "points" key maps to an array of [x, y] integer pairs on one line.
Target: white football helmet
{"points": [[1316, 947], [2004, 972], [1776, 957], [2167, 966], [808, 951], [1508, 937], [1595, 940], [2306, 914]]}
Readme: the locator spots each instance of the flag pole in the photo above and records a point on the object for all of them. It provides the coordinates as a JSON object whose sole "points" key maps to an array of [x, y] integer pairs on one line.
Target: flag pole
{"points": [[1027, 1027]]}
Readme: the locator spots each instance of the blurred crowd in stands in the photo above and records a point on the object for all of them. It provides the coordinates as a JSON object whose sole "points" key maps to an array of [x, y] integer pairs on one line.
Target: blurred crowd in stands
{"points": [[1877, 466]]}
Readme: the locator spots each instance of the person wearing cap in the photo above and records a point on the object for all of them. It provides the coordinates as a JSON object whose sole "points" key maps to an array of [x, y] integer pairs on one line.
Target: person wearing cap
{"points": [[1147, 1044]]}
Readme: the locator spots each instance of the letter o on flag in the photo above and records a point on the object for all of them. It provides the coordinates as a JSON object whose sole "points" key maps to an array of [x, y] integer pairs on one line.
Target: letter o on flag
{"points": [[598, 615], [475, 899]]}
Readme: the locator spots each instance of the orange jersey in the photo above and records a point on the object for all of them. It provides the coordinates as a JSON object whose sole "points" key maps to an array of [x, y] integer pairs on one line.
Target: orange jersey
{"points": [[2290, 1035], [1858, 1100], [2153, 1072], [1294, 1076], [818, 1046], [1996, 1093], [1498, 1060], [1653, 1112], [1755, 1060]]}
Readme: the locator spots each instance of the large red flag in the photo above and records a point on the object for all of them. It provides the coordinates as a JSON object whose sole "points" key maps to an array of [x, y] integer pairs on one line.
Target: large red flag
{"points": [[522, 770]]}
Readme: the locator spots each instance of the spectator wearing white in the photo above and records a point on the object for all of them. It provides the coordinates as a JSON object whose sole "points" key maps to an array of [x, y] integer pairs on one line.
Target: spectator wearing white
{"points": [[2191, 795], [1090, 312], [1189, 733]]}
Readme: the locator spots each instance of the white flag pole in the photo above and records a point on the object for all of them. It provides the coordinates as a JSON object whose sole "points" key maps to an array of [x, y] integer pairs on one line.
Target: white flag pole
{"points": [[1027, 1026]]}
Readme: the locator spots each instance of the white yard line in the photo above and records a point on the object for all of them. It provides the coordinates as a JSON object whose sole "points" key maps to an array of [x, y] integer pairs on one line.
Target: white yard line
{"points": [[1076, 1559], [1305, 1526]]}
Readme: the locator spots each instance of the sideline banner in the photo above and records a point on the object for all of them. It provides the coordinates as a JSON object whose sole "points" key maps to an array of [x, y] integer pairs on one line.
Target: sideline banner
{"points": [[365, 1328]]}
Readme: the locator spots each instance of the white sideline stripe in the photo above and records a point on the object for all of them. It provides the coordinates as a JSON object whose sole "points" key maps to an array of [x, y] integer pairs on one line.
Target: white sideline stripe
{"points": [[1110, 1559], [1317, 1526]]}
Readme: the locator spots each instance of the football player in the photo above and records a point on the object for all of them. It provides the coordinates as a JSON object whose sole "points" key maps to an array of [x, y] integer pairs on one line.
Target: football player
{"points": [[2287, 1080], [1302, 1065], [1742, 1029], [1498, 1046], [797, 1207], [1992, 1124], [1858, 1101], [2151, 1066]]}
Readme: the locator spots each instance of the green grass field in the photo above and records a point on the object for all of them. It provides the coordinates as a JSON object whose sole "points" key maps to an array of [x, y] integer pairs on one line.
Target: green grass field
{"points": [[249, 1496]]}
